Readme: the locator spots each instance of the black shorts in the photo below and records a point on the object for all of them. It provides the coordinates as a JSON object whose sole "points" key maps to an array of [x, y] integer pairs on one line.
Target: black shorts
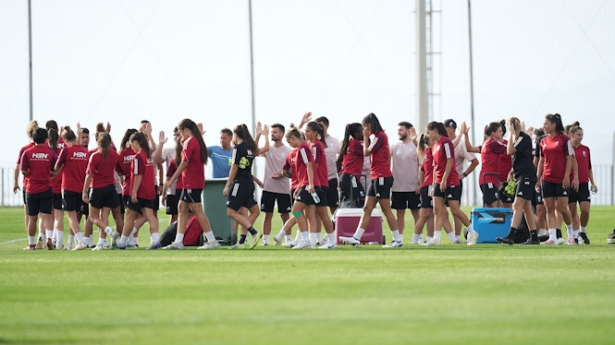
{"points": [[57, 202], [380, 187], [426, 200], [102, 197], [191, 196], [451, 192], [525, 187], [333, 198], [140, 205], [490, 193], [173, 202], [156, 201], [292, 197], [553, 190], [538, 198], [305, 197], [322, 195], [40, 202], [25, 197], [72, 201], [117, 200], [269, 199], [350, 188], [84, 209], [404, 200], [581, 196], [241, 194]]}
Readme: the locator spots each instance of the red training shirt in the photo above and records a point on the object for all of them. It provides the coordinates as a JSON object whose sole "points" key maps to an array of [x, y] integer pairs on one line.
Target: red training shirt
{"points": [[124, 167], [304, 156], [74, 162], [292, 167], [490, 156], [555, 152], [321, 173], [194, 174], [102, 168], [38, 162], [505, 164], [584, 161], [443, 151], [427, 168], [380, 156], [141, 165], [352, 162]]}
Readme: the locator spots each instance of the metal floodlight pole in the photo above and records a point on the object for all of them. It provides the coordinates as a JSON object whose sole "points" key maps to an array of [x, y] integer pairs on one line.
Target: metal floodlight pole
{"points": [[30, 54], [422, 103], [252, 66], [472, 123]]}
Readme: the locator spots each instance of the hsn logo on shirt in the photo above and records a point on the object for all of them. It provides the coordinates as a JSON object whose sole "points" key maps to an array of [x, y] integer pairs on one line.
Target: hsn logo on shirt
{"points": [[556, 143], [39, 155], [80, 155], [128, 159]]}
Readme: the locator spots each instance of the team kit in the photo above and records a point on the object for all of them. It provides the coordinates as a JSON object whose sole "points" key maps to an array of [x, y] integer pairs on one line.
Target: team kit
{"points": [[542, 176]]}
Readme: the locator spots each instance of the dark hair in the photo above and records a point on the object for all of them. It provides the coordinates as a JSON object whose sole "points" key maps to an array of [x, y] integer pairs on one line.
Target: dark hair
{"points": [[144, 121], [503, 125], [372, 120], [557, 120], [294, 132], [85, 130], [406, 124], [575, 126], [492, 127], [227, 132], [142, 140], [423, 144], [351, 131], [51, 124], [243, 133], [100, 128], [316, 127], [53, 136], [279, 126], [68, 134], [40, 136], [196, 133], [323, 120], [32, 127], [450, 123], [438, 126], [178, 151], [539, 132], [104, 142], [175, 129], [129, 132]]}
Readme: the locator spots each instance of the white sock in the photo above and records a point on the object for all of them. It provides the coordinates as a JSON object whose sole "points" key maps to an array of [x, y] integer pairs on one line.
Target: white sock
{"points": [[59, 236], [133, 232], [101, 241], [451, 236], [79, 237], [569, 227], [456, 238], [54, 235], [543, 232], [43, 237], [427, 239], [575, 234], [305, 236], [583, 228], [437, 235], [209, 235], [266, 239], [179, 238], [49, 234], [71, 239], [396, 236], [313, 238], [552, 234], [330, 238], [289, 238], [123, 240], [108, 230], [155, 238], [87, 240], [415, 238], [318, 237], [470, 229], [359, 233], [298, 236], [282, 233], [32, 240]]}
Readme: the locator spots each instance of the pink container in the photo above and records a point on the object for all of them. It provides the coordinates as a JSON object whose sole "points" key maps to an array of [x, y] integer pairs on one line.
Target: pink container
{"points": [[347, 220]]}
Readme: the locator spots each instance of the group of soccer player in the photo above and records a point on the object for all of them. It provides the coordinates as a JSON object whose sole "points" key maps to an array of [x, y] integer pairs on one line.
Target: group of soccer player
{"points": [[542, 181]]}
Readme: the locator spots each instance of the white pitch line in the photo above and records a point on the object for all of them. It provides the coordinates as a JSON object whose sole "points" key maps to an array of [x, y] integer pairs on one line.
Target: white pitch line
{"points": [[13, 241]]}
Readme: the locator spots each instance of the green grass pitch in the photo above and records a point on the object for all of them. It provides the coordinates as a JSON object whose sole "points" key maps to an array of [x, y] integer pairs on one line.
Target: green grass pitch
{"points": [[486, 294]]}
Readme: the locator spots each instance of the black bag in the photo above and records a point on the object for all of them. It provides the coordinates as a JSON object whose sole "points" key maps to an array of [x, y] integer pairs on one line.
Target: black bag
{"points": [[523, 233], [168, 236]]}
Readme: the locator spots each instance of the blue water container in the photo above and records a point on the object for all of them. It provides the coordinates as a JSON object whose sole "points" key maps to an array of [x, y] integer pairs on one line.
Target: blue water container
{"points": [[491, 223]]}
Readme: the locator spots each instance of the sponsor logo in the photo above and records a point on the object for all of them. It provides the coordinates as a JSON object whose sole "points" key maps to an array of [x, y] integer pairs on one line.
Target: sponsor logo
{"points": [[584, 154], [450, 196], [80, 155], [520, 193], [128, 159], [556, 143], [565, 193], [40, 155]]}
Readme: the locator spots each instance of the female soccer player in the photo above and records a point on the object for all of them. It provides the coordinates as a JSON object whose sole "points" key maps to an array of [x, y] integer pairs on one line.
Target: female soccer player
{"points": [[505, 171], [142, 191], [58, 209], [586, 175], [426, 179], [240, 184], [289, 170], [379, 190], [446, 182], [171, 200], [314, 132], [350, 163], [192, 172], [541, 211], [490, 152], [101, 183], [123, 168], [519, 146], [554, 169], [73, 162], [32, 127], [304, 194]]}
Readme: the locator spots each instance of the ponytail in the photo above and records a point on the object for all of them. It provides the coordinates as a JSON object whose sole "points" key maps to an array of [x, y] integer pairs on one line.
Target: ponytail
{"points": [[196, 133]]}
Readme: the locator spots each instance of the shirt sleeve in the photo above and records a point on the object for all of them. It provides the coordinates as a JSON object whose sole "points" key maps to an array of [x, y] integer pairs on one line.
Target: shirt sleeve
{"points": [[357, 148], [497, 147], [62, 159], [91, 165], [448, 150], [54, 159], [138, 165], [523, 143], [187, 152], [568, 150], [377, 141], [305, 155], [171, 169], [24, 163]]}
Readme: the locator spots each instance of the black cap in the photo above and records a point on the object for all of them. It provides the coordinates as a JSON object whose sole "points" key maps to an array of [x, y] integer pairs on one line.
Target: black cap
{"points": [[450, 123]]}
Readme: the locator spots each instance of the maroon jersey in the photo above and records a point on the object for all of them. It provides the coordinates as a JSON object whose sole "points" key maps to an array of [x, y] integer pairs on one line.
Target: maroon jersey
{"points": [[102, 168], [141, 165], [304, 156], [380, 156], [352, 162], [443, 151], [555, 152], [74, 161], [38, 161], [21, 151], [194, 174], [321, 173], [505, 164], [427, 168], [123, 167], [292, 167], [171, 169], [490, 156], [581, 153]]}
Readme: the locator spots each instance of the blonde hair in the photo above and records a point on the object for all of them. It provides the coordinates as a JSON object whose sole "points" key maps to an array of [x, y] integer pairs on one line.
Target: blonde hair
{"points": [[516, 126]]}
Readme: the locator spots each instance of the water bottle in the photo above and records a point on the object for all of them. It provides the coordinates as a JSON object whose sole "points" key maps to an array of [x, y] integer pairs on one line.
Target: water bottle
{"points": [[315, 197], [594, 189]]}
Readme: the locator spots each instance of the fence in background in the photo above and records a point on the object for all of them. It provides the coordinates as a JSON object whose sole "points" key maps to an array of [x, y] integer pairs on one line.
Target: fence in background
{"points": [[603, 176]]}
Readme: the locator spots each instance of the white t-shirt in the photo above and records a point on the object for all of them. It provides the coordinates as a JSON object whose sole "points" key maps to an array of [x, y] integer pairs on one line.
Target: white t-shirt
{"points": [[404, 166], [168, 154], [331, 152], [462, 155], [275, 159]]}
